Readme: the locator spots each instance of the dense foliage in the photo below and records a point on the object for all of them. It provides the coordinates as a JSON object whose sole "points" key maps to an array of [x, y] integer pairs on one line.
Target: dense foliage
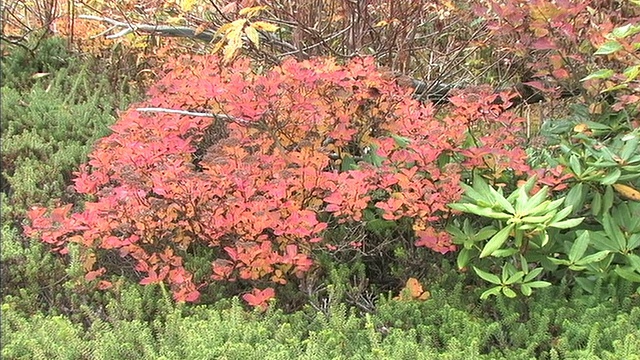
{"points": [[284, 155]]}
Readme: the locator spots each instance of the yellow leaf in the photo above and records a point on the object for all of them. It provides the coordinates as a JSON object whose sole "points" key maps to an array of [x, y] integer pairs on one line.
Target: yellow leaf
{"points": [[224, 29], [89, 261], [252, 11], [187, 5], [175, 20], [627, 192], [580, 128], [253, 35], [264, 26], [381, 23], [218, 46], [233, 45]]}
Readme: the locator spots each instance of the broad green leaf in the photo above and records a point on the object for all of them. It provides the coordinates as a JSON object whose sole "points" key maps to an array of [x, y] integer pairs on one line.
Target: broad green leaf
{"points": [[496, 241], [625, 31], [458, 235], [631, 73], [524, 265], [500, 253], [500, 200], [586, 284], [634, 241], [542, 208], [521, 200], [613, 232], [481, 187], [536, 200], [494, 279], [372, 156], [559, 261], [539, 284], [600, 241], [544, 236], [611, 178], [538, 219], [509, 293], [532, 275], [560, 215], [609, 47], [463, 258], [630, 148], [567, 223], [479, 210], [525, 290], [628, 274], [515, 278], [401, 141], [593, 258], [634, 261], [600, 74], [528, 186], [576, 197], [485, 233], [607, 200], [555, 204], [348, 163], [478, 197], [493, 291], [579, 247], [596, 203]]}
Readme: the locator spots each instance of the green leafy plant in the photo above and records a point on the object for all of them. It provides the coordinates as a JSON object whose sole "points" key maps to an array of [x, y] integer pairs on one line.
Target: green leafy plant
{"points": [[600, 147], [519, 234]]}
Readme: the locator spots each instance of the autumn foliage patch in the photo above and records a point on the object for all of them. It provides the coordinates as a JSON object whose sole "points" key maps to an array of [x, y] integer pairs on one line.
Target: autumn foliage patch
{"points": [[281, 154]]}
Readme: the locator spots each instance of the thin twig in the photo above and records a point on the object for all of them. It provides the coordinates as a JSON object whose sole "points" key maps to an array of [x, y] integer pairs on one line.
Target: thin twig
{"points": [[193, 113]]}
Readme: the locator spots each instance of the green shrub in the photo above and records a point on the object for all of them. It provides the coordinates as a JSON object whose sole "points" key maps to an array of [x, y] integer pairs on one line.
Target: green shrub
{"points": [[48, 126], [39, 337], [48, 131], [551, 324], [22, 63]]}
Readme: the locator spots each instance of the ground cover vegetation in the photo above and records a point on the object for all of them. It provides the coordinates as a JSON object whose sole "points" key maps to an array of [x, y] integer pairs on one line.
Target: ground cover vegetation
{"points": [[326, 179]]}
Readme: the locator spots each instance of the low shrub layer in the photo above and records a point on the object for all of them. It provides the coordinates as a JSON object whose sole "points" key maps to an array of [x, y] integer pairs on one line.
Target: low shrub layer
{"points": [[450, 325]]}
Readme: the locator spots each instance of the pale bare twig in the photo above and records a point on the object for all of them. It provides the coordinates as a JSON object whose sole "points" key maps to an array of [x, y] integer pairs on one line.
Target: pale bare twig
{"points": [[196, 114]]}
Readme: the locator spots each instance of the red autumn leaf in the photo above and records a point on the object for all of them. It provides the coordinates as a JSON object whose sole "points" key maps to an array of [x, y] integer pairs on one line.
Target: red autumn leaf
{"points": [[92, 275], [258, 298], [154, 277], [104, 285]]}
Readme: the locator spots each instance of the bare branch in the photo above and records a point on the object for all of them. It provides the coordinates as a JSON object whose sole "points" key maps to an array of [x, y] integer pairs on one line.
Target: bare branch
{"points": [[163, 30], [197, 114]]}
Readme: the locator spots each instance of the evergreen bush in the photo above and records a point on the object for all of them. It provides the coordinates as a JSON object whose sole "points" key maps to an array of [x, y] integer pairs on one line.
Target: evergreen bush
{"points": [[551, 324], [48, 126]]}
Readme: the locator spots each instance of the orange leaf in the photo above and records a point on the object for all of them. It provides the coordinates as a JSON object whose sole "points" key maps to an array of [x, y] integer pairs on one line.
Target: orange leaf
{"points": [[413, 291]]}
